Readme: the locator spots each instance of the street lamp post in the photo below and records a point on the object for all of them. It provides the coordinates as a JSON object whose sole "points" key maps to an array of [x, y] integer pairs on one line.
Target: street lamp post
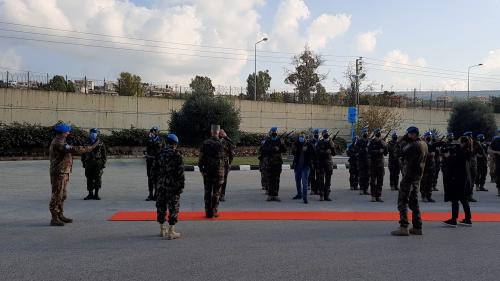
{"points": [[255, 71], [468, 78]]}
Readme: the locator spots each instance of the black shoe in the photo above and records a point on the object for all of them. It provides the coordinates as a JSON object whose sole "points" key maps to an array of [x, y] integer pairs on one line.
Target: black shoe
{"points": [[297, 197], [305, 201], [435, 189], [327, 198], [471, 199], [424, 199], [277, 199], [450, 223], [467, 223], [222, 199], [96, 196], [89, 197], [379, 199], [150, 198], [430, 200], [209, 215]]}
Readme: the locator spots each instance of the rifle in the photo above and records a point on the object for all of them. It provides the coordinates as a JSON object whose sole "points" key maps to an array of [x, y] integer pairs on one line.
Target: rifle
{"points": [[386, 135], [335, 136]]}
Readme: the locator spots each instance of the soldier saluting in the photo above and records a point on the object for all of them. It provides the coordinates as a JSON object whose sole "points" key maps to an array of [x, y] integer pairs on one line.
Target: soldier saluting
{"points": [[153, 147], [272, 149], [94, 162], [211, 164], [61, 164]]}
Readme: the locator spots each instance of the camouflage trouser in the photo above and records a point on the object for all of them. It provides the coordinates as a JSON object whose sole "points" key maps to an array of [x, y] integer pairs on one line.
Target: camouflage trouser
{"points": [[313, 180], [364, 176], [497, 173], [273, 179], [482, 171], [353, 174], [168, 201], [426, 182], [263, 176], [59, 184], [213, 184], [436, 174], [473, 173], [408, 197], [394, 173], [227, 168], [324, 172], [377, 173], [492, 168], [151, 177], [94, 178]]}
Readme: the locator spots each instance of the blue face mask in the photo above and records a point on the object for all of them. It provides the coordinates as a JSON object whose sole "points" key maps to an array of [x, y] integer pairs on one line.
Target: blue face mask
{"points": [[302, 139], [93, 137], [274, 138]]}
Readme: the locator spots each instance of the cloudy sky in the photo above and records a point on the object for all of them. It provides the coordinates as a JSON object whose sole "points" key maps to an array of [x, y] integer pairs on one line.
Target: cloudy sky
{"points": [[423, 44]]}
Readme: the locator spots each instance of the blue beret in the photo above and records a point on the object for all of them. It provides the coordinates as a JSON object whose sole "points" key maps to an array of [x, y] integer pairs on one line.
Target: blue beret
{"points": [[62, 128], [325, 131], [94, 130], [274, 129], [316, 131], [428, 134], [173, 137]]}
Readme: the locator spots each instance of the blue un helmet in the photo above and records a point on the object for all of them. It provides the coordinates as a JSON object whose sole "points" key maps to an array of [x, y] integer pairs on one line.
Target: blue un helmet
{"points": [[94, 132], [62, 128], [428, 134], [364, 132], [274, 130], [412, 130], [394, 136], [354, 139], [377, 133], [172, 138], [480, 137], [325, 134]]}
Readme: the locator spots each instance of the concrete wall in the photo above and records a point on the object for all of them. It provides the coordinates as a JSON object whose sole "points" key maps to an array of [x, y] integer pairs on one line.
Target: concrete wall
{"points": [[116, 112]]}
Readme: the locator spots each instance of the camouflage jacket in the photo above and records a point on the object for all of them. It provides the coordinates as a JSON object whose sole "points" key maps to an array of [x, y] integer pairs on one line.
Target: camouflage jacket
{"points": [[228, 146], [377, 148], [361, 149], [325, 149], [272, 150], [392, 149], [413, 155], [95, 158], [168, 167], [351, 154], [211, 158], [60, 153], [153, 147]]}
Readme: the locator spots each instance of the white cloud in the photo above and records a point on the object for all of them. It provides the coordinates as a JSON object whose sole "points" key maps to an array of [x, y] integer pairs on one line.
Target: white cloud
{"points": [[453, 85], [367, 42], [10, 60], [327, 27], [396, 63], [492, 60], [397, 57], [285, 34]]}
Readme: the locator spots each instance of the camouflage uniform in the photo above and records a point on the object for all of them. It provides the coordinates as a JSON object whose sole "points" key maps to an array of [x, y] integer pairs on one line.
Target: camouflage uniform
{"points": [[414, 154], [263, 167], [272, 150], [61, 164], [169, 170], [377, 148], [325, 149], [428, 176], [495, 146], [437, 166], [94, 162], [492, 168], [313, 176], [482, 165], [394, 168], [211, 164], [153, 147], [353, 167], [473, 166], [361, 148], [228, 159]]}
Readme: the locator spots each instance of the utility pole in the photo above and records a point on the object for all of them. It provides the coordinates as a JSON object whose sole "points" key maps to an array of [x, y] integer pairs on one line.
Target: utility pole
{"points": [[359, 68]]}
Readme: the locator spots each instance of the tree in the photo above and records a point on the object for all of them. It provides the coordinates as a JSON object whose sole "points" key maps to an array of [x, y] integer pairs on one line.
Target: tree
{"points": [[321, 96], [305, 77], [192, 122], [58, 83], [130, 85], [202, 85], [263, 84], [495, 101], [70, 87], [350, 89], [472, 116], [375, 117]]}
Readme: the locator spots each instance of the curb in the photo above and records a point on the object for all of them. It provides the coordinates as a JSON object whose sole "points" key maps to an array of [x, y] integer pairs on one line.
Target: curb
{"points": [[190, 168]]}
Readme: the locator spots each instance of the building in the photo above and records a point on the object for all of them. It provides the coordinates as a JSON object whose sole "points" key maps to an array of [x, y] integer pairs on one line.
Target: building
{"points": [[82, 88]]}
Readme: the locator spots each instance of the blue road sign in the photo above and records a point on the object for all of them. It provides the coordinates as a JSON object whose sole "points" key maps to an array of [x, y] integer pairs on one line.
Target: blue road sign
{"points": [[352, 114]]}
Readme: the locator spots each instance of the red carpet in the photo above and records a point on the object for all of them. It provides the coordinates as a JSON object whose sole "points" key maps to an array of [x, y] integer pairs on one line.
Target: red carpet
{"points": [[298, 215]]}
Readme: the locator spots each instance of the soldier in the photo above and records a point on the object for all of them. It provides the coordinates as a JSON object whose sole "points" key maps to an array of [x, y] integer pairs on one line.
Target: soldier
{"points": [[429, 170], [94, 162], [211, 164], [263, 165], [153, 147], [437, 161], [304, 156], [482, 163], [271, 150], [377, 148], [325, 150], [361, 149], [494, 151], [394, 168], [313, 176], [61, 164], [413, 155], [473, 163], [169, 168], [228, 145], [353, 164], [447, 151]]}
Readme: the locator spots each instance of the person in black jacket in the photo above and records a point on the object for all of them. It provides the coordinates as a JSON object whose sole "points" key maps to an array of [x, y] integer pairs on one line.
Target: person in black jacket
{"points": [[303, 158], [460, 188]]}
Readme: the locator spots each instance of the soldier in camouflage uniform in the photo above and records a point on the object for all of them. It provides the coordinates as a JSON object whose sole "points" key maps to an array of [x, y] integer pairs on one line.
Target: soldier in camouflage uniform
{"points": [[169, 169], [482, 163], [94, 163], [361, 149], [413, 155], [61, 164], [313, 176], [228, 145], [377, 148], [394, 168], [429, 170], [494, 151], [437, 162], [153, 147], [325, 150], [211, 164], [473, 163], [272, 149], [263, 165], [353, 164]]}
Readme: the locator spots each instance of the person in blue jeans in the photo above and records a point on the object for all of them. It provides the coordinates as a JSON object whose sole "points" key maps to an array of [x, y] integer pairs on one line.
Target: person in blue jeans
{"points": [[303, 158]]}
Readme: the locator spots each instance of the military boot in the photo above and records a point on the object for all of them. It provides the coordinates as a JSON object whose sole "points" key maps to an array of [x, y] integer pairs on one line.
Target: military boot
{"points": [[477, 187], [321, 198], [96, 195], [163, 230], [269, 198], [64, 219], [374, 199], [56, 221], [90, 196], [481, 188], [327, 197], [379, 199], [430, 200], [415, 231], [401, 231], [171, 234]]}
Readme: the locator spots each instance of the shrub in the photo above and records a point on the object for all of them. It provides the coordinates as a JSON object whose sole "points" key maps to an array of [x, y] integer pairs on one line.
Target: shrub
{"points": [[472, 116], [250, 139], [126, 137]]}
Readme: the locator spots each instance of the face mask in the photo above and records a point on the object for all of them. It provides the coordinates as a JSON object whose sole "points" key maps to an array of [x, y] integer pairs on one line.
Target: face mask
{"points": [[316, 136], [93, 137], [274, 135], [274, 138], [302, 139], [377, 135], [325, 136]]}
